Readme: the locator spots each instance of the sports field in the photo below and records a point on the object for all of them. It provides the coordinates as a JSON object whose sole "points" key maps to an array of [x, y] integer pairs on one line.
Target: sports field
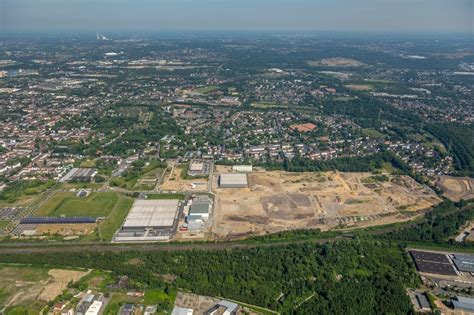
{"points": [[111, 205], [97, 204]]}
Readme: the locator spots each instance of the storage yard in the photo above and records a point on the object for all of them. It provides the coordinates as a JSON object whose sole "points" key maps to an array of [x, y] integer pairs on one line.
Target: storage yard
{"points": [[276, 201]]}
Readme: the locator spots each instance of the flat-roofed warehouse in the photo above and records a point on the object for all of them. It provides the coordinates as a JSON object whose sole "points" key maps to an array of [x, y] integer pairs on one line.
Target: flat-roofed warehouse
{"points": [[464, 262], [242, 168], [151, 214], [233, 180], [79, 174]]}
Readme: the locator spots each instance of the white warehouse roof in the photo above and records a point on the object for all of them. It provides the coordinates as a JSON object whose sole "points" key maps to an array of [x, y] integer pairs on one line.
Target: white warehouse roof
{"points": [[233, 180], [152, 213], [242, 168]]}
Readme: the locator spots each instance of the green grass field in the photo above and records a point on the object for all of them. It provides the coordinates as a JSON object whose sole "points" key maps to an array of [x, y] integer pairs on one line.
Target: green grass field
{"points": [[4, 223], [108, 228], [114, 206], [372, 133], [98, 204], [165, 196], [206, 89], [19, 283]]}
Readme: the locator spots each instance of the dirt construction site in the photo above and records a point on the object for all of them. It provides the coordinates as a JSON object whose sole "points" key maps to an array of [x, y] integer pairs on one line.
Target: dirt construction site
{"points": [[456, 188], [276, 201], [173, 181]]}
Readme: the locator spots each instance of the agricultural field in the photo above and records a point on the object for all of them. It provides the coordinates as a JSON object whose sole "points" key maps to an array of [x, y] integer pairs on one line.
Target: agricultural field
{"points": [[25, 290], [456, 188], [277, 201], [174, 180]]}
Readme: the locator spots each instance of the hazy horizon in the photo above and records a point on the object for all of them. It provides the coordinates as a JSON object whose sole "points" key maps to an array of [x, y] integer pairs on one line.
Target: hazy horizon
{"points": [[394, 16]]}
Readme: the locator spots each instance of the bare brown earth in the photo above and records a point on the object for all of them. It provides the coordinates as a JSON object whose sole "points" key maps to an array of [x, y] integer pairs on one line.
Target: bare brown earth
{"points": [[277, 201], [359, 87], [58, 282], [174, 182], [456, 188], [23, 286], [65, 229]]}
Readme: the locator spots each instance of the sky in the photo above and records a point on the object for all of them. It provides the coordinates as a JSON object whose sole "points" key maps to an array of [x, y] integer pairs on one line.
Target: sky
{"points": [[223, 15]]}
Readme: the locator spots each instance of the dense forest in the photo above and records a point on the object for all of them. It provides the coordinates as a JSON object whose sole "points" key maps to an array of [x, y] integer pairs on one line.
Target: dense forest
{"points": [[18, 189], [343, 164], [349, 277], [443, 222], [459, 140]]}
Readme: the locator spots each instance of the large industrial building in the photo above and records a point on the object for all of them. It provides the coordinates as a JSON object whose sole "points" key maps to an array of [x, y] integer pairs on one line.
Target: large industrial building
{"points": [[149, 220], [233, 180], [199, 168], [242, 168], [462, 303], [79, 175], [464, 262], [199, 213]]}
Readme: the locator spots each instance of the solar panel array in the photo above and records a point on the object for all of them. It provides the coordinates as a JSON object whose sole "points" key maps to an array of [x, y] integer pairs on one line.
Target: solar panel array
{"points": [[56, 220], [433, 263]]}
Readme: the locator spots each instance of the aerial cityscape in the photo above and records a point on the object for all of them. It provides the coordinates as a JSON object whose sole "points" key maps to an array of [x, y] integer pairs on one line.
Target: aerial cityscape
{"points": [[216, 171]]}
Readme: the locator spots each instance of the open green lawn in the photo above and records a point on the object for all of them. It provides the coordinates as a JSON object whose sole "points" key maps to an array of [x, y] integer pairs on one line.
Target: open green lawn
{"points": [[206, 89], [4, 223], [87, 163], [164, 196], [372, 133], [81, 185], [97, 204], [18, 283], [23, 201], [108, 228]]}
